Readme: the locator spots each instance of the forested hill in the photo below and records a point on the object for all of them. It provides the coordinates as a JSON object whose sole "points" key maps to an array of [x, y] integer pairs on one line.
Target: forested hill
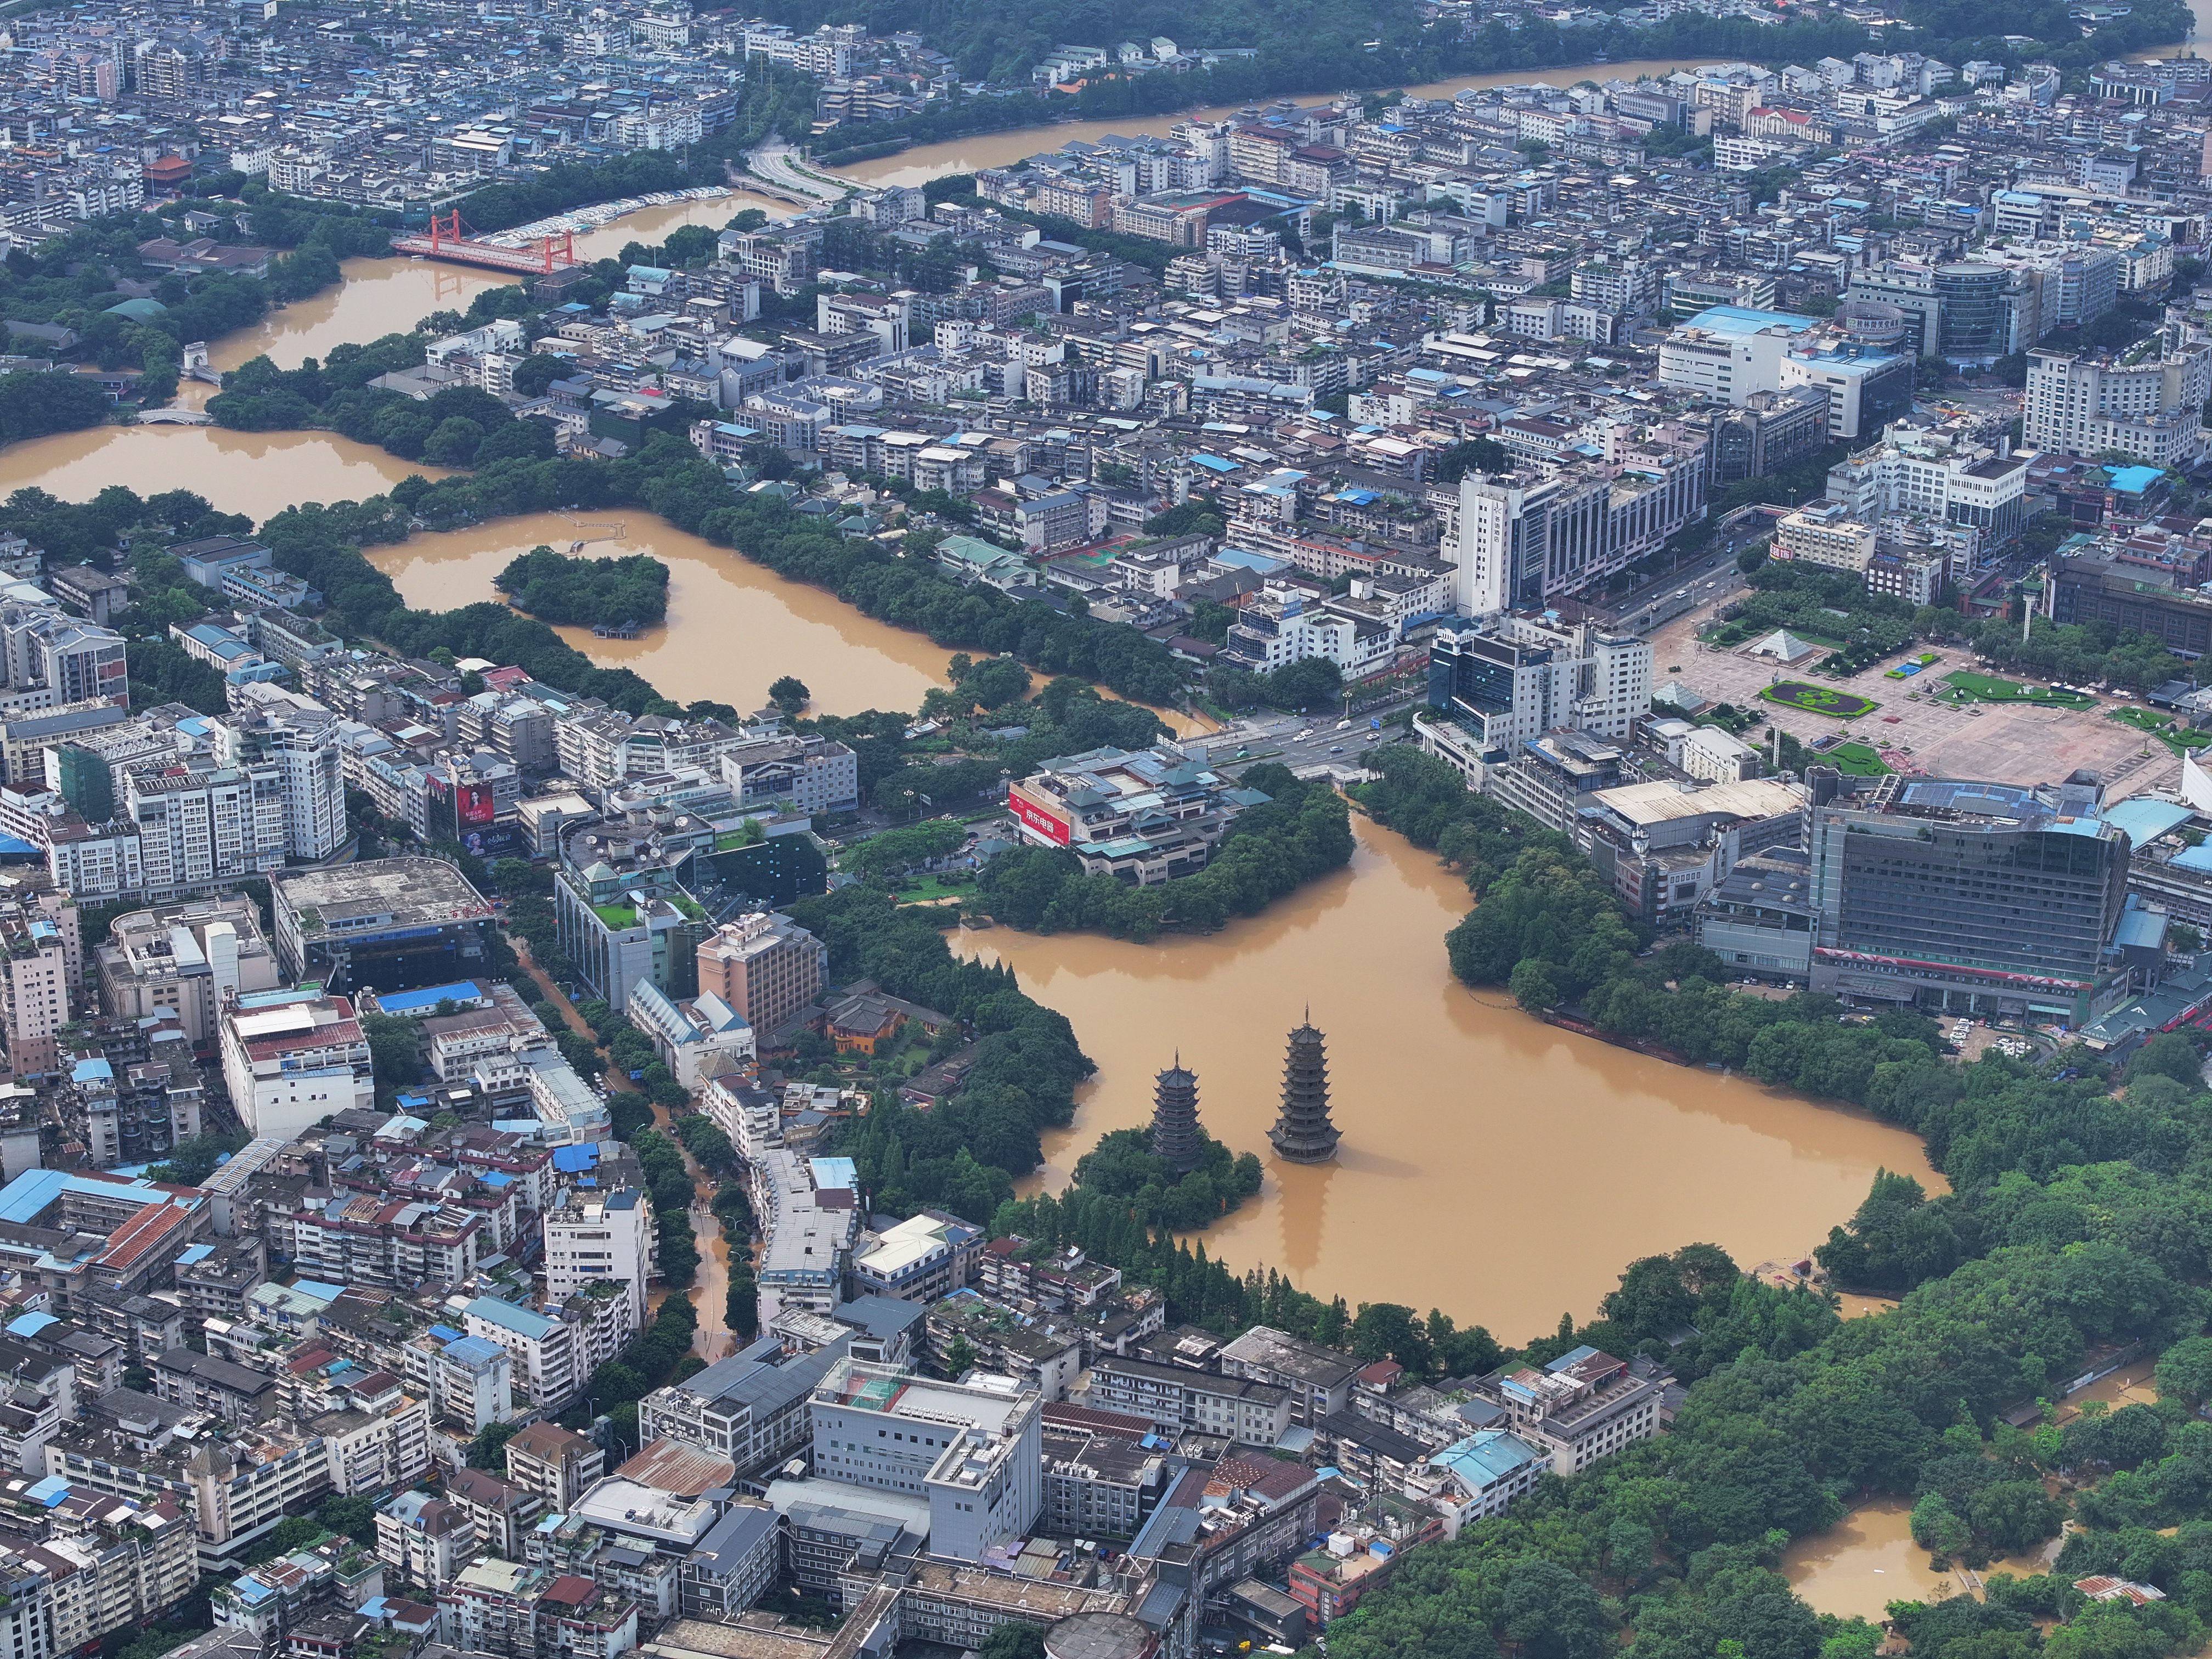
{"points": [[1325, 46]]}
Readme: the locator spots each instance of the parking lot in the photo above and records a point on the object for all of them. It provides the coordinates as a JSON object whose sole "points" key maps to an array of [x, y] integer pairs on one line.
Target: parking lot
{"points": [[2001, 743]]}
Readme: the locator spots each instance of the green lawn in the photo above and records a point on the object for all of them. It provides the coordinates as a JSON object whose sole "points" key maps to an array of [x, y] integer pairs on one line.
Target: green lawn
{"points": [[1854, 760], [1819, 700], [936, 887], [2181, 739], [616, 916], [1967, 686]]}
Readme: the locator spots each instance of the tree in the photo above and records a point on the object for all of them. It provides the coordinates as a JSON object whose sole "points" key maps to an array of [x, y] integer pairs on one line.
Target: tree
{"points": [[789, 692], [2167, 1055], [1013, 1641], [1551, 1613], [489, 1449], [2013, 1516], [2184, 1371], [1936, 1526], [959, 1357], [354, 1516]]}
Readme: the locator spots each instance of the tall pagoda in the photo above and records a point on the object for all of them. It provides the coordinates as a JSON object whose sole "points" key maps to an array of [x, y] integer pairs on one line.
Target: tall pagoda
{"points": [[1303, 1133], [1176, 1137]]}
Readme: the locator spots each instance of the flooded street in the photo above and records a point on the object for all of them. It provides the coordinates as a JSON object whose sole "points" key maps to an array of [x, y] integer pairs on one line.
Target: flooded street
{"points": [[734, 627], [1491, 1166]]}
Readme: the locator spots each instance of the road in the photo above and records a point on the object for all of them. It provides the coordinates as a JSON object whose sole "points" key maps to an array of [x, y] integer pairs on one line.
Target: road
{"points": [[1276, 738], [710, 1290], [779, 165]]}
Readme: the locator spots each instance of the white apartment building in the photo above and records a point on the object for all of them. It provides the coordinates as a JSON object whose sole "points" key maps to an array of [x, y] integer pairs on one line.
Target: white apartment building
{"points": [[591, 1240], [34, 989], [2147, 402], [975, 1453], [544, 1349], [1283, 626], [292, 1058], [198, 827], [302, 744]]}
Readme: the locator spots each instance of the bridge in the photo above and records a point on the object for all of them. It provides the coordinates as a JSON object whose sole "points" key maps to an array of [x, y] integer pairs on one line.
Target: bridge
{"points": [[447, 240], [175, 417]]}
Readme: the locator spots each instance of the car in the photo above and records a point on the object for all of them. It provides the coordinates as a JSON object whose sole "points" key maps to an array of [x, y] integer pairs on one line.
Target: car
{"points": [[1336, 749], [1303, 735], [1343, 725]]}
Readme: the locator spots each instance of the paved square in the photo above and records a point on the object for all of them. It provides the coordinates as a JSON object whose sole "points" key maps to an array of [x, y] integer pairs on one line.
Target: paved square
{"points": [[2017, 742]]}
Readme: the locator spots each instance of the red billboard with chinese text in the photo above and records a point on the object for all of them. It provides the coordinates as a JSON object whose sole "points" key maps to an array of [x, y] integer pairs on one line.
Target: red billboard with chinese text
{"points": [[1037, 819], [473, 806]]}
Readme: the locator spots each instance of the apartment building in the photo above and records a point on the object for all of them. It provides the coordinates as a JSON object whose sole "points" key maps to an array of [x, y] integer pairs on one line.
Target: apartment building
{"points": [[1317, 1380], [2147, 402], [1581, 1406], [35, 984], [554, 1462], [1174, 1399], [186, 958], [594, 1239]]}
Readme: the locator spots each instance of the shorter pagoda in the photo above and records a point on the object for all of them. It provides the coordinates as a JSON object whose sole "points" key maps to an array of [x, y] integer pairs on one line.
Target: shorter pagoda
{"points": [[1303, 1133], [1176, 1139]]}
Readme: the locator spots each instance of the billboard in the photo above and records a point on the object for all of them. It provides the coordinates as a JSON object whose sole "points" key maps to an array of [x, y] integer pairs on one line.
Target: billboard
{"points": [[473, 806], [1038, 819]]}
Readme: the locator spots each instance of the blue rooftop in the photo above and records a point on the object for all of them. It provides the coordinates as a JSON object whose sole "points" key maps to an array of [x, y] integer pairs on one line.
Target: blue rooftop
{"points": [[416, 1004], [509, 1317], [2133, 480], [2144, 821], [30, 1324], [1742, 319], [571, 1159], [472, 1351], [95, 1070]]}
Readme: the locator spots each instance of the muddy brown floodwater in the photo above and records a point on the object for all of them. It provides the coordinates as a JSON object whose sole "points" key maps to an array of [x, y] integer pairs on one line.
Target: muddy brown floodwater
{"points": [[923, 162], [1492, 1166], [733, 628]]}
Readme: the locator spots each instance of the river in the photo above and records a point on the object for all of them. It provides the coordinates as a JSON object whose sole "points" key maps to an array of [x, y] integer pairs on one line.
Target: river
{"points": [[923, 162], [1491, 1166], [734, 627]]}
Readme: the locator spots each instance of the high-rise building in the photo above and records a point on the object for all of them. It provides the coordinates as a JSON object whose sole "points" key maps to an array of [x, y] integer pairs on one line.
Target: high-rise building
{"points": [[1177, 1142], [1508, 680], [764, 965], [301, 743], [2147, 402], [198, 826], [1936, 474], [592, 1239], [1984, 897], [1305, 1133], [34, 987]]}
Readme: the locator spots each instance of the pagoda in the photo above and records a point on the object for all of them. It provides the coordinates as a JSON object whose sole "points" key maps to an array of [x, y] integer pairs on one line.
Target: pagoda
{"points": [[1176, 1139], [1303, 1133]]}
